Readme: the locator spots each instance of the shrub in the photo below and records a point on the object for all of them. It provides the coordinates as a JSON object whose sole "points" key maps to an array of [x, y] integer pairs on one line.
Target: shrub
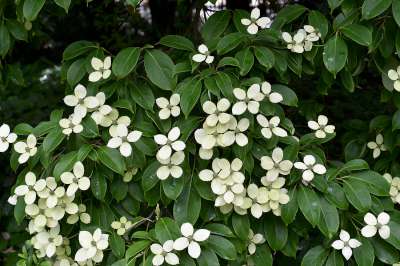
{"points": [[217, 152]]}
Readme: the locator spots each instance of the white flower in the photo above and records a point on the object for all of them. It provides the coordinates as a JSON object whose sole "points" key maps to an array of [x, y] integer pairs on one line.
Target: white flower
{"points": [[75, 180], [71, 124], [257, 200], [80, 101], [122, 138], [52, 193], [115, 121], [302, 40], [122, 225], [169, 143], [394, 74], [102, 69], [346, 244], [164, 253], [377, 146], [129, 175], [204, 55], [82, 215], [277, 195], [205, 154], [247, 101], [102, 111], [309, 167], [273, 97], [6, 137], [275, 164], [31, 187], [190, 239], [374, 225], [255, 239], [48, 241], [321, 127], [312, 34], [92, 246], [255, 21], [12, 200], [236, 133], [217, 113], [169, 107], [270, 127], [394, 191], [26, 148], [170, 166]]}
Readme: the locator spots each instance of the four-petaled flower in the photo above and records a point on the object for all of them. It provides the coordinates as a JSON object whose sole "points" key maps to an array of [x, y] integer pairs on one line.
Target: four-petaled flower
{"points": [[26, 148], [121, 139], [169, 143], [394, 74], [254, 239], [203, 55], [164, 253], [377, 146], [217, 112], [376, 224], [75, 180], [122, 225], [321, 127], [169, 107], [346, 244], [273, 97], [190, 239], [309, 167], [275, 164], [31, 187], [71, 125], [247, 100], [270, 127], [102, 69], [6, 137], [80, 101], [256, 21], [92, 246], [170, 166]]}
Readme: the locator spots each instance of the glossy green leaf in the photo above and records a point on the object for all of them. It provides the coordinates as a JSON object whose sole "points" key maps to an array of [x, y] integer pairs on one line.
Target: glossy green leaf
{"points": [[309, 204], [112, 159], [159, 69], [358, 33], [125, 61], [215, 25], [335, 54], [32, 8], [177, 42], [373, 8]]}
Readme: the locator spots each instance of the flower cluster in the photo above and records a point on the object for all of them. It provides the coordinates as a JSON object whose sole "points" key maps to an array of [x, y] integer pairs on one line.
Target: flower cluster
{"points": [[189, 240], [302, 41], [394, 187], [394, 75]]}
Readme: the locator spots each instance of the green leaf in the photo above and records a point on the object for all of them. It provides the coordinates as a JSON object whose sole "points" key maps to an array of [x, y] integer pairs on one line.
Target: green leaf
{"points": [[98, 185], [76, 72], [64, 4], [52, 140], [246, 60], [276, 232], [125, 61], [373, 8], [190, 94], [335, 195], [319, 22], [117, 245], [396, 11], [5, 40], [289, 210], [220, 229], [335, 259], [177, 42], [223, 247], [315, 257], [364, 254], [224, 84], [289, 96], [396, 120], [358, 33], [208, 258], [353, 165], [112, 159], [149, 176], [19, 210], [32, 8], [142, 94], [385, 252], [173, 187], [263, 256], [309, 204], [287, 15], [119, 189], [335, 54], [215, 25], [137, 247], [264, 56], [241, 226], [329, 219], [90, 129], [228, 61], [188, 204], [229, 42], [394, 238], [333, 4], [378, 185], [65, 164], [78, 48], [17, 30], [166, 229], [159, 69], [358, 195]]}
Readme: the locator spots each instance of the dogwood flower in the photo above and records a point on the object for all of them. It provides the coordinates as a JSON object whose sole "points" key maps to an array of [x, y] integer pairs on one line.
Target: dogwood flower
{"points": [[6, 137], [236, 133], [190, 239], [116, 121], [394, 74], [122, 225], [128, 176], [273, 97], [270, 127], [346, 244], [102, 69], [394, 191], [275, 164], [71, 125], [217, 112], [48, 241], [31, 187], [256, 21], [277, 195], [247, 100], [376, 224], [169, 143], [377, 146], [92, 246], [26, 148], [81, 215], [321, 127], [102, 110], [80, 101], [164, 253], [309, 167], [169, 107], [75, 180], [51, 193], [302, 40], [254, 239], [257, 198], [65, 205], [122, 138], [203, 55], [170, 166]]}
